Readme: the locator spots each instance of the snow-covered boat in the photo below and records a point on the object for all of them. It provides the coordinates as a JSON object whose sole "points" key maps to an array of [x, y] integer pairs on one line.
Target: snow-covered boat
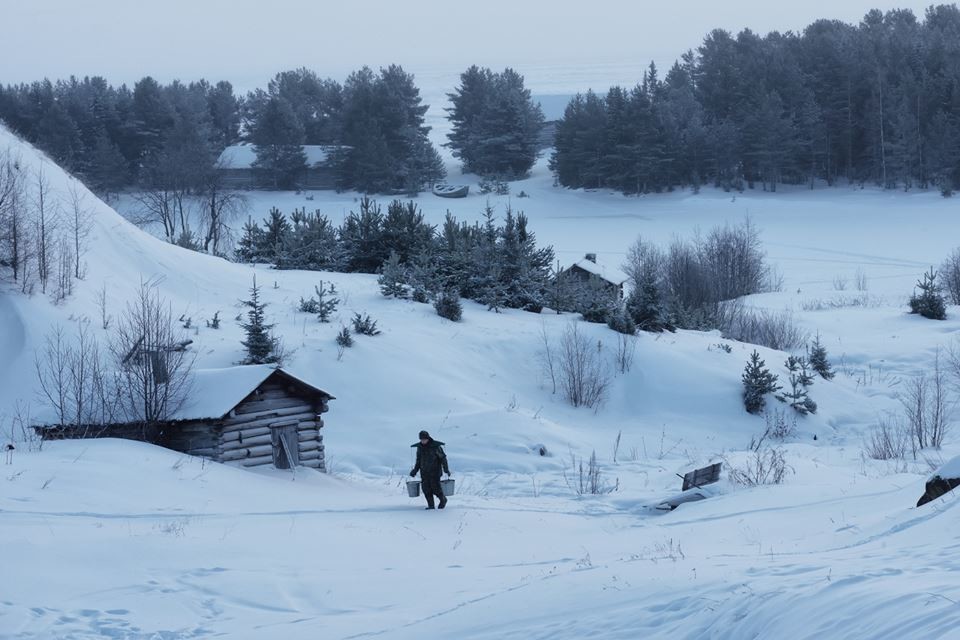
{"points": [[451, 190]]}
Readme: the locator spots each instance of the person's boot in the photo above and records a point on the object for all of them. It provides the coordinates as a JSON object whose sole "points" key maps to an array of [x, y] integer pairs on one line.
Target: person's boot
{"points": [[430, 503], [443, 502]]}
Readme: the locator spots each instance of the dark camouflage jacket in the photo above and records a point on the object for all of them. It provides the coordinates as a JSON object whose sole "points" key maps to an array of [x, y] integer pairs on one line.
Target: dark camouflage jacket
{"points": [[430, 458]]}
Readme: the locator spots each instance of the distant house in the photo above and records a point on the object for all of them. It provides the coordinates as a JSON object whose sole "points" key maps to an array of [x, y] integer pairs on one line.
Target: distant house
{"points": [[587, 270], [235, 164], [252, 415]]}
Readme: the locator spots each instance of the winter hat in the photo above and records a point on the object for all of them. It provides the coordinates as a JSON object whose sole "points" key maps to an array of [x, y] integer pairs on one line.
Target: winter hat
{"points": [[424, 434]]}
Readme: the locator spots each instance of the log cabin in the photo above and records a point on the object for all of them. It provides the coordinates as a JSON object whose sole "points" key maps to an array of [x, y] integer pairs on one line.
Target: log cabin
{"points": [[252, 415], [588, 271], [237, 169]]}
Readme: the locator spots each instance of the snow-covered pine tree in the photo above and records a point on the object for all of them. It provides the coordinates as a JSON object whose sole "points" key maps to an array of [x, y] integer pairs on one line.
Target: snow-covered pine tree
{"points": [[799, 379], [393, 277], [422, 278], [758, 382], [594, 301], [929, 303], [448, 305], [817, 357], [645, 305], [327, 301], [621, 321], [276, 234], [311, 243], [251, 242], [344, 339], [260, 343]]}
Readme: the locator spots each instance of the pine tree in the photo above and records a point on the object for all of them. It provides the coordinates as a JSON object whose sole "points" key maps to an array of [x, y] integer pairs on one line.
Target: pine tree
{"points": [[249, 247], [393, 277], [448, 305], [817, 357], [344, 339], [620, 321], [800, 379], [645, 304], [594, 301], [278, 138], [261, 345], [495, 123], [327, 301], [276, 235], [929, 303], [757, 383]]}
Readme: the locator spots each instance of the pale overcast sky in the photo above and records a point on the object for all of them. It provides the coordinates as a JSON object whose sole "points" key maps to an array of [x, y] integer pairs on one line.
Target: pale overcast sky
{"points": [[247, 41]]}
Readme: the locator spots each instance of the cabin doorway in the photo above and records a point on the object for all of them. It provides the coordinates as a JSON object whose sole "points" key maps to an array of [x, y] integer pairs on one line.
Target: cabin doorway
{"points": [[286, 454]]}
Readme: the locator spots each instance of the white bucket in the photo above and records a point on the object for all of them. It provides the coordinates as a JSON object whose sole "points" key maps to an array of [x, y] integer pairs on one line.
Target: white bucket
{"points": [[447, 486], [413, 488]]}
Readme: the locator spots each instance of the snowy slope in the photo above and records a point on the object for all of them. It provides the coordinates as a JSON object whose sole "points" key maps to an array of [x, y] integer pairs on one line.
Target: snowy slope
{"points": [[147, 543]]}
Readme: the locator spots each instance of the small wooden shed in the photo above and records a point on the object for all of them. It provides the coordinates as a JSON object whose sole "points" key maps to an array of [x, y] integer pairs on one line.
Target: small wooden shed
{"points": [[251, 415], [588, 271]]}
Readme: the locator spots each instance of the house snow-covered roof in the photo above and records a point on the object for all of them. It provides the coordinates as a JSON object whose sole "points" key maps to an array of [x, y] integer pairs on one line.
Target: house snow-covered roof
{"points": [[214, 393], [242, 156], [610, 274], [950, 469]]}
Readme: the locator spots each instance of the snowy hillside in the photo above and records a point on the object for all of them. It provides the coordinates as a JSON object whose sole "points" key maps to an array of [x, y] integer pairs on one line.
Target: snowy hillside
{"points": [[112, 538]]}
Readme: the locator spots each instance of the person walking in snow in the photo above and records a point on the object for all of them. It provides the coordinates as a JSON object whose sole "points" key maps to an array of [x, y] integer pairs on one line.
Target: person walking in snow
{"points": [[431, 460]]}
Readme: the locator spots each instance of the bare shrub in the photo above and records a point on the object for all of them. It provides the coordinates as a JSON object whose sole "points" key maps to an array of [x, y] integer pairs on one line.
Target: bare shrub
{"points": [[74, 380], [14, 230], [582, 373], [928, 406], [79, 221], [763, 466], [778, 425], [839, 283], [151, 357], [626, 351], [950, 276], [860, 280], [642, 258], [548, 361], [101, 301], [859, 300], [733, 260], [587, 479], [889, 440], [773, 329]]}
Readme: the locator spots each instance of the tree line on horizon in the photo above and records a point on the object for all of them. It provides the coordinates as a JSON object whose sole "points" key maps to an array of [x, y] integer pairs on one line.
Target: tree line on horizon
{"points": [[170, 136], [873, 103]]}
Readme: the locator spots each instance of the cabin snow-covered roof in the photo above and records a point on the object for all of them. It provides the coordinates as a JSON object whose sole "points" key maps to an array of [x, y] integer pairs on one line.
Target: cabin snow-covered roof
{"points": [[610, 274], [950, 469], [242, 156], [213, 393]]}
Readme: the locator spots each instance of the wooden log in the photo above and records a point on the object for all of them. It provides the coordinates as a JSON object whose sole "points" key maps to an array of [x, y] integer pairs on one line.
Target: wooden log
{"points": [[255, 406], [204, 452], [248, 452], [313, 464], [265, 420], [247, 442], [257, 462], [316, 454], [265, 393], [245, 433], [306, 435]]}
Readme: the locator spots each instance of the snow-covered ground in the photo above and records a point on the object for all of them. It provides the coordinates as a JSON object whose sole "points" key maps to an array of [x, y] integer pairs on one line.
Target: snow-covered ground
{"points": [[119, 539]]}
